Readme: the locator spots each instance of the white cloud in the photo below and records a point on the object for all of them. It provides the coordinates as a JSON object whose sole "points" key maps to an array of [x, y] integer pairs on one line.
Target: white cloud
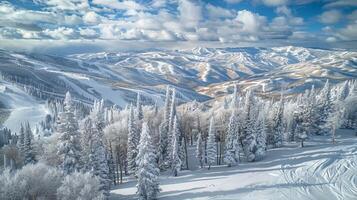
{"points": [[331, 39], [88, 33], [91, 18], [190, 13], [275, 2], [330, 17], [341, 3], [348, 33], [61, 33], [119, 5], [251, 22], [217, 12], [75, 5]]}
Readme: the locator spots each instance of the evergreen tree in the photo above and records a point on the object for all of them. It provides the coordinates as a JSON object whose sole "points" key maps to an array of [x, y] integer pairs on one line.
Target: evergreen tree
{"points": [[29, 154], [182, 153], [85, 143], [69, 144], [324, 106], [133, 142], [200, 150], [148, 172], [164, 131], [176, 161], [211, 145], [247, 135], [277, 134], [99, 161], [231, 150], [170, 132], [261, 138], [21, 142], [139, 108], [234, 103], [343, 91]]}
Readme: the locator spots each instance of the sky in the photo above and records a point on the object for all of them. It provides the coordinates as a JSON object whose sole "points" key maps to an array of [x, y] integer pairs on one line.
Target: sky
{"points": [[81, 26]]}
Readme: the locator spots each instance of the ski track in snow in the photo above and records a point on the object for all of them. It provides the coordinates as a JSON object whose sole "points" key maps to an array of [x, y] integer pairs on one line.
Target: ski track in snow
{"points": [[319, 171]]}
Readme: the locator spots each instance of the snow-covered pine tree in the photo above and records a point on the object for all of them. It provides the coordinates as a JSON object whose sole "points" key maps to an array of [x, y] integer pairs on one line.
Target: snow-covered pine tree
{"points": [[324, 106], [133, 142], [171, 123], [98, 158], [234, 102], [85, 143], [343, 91], [21, 141], [176, 161], [148, 171], [231, 150], [139, 108], [69, 142], [211, 144], [182, 153], [277, 129], [163, 131], [200, 150], [247, 135], [261, 138], [29, 154]]}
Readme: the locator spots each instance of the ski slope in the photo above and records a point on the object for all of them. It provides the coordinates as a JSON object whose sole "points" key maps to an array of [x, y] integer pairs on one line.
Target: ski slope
{"points": [[23, 107], [320, 170]]}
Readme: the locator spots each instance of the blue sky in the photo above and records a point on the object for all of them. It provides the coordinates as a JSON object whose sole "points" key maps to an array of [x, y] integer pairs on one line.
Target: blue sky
{"points": [[75, 26]]}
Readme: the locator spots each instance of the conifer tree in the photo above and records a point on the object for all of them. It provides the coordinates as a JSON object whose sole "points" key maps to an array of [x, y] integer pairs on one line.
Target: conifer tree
{"points": [[171, 123], [200, 150], [164, 131], [248, 136], [148, 171], [176, 161], [211, 144], [231, 150], [277, 134], [69, 144], [261, 138], [324, 106], [133, 142], [99, 161], [29, 154], [182, 153], [139, 108]]}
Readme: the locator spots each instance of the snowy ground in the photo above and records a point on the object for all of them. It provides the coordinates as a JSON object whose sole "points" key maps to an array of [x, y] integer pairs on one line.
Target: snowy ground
{"points": [[22, 107], [320, 170]]}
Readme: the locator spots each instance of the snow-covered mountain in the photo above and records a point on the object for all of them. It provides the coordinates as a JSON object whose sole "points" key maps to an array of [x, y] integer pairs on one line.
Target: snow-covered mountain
{"points": [[199, 73]]}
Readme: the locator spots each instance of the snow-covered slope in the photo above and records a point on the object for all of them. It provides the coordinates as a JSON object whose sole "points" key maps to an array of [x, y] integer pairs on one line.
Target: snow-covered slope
{"points": [[21, 106], [320, 170], [199, 73]]}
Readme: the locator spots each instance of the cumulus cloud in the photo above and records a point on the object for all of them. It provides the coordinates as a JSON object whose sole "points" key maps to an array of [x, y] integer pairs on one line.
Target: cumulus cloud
{"points": [[330, 17], [251, 22], [275, 2], [64, 4], [217, 12], [190, 13], [119, 5], [91, 18], [61, 33]]}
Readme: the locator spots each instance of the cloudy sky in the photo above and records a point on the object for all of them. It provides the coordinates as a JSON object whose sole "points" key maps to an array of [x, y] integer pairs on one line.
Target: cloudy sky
{"points": [[74, 26]]}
